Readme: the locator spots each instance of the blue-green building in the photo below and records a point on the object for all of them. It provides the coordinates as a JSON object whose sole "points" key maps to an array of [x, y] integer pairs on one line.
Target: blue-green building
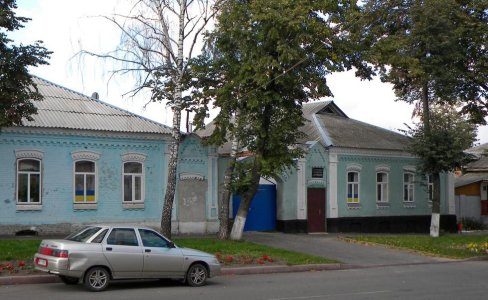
{"points": [[356, 177], [83, 161]]}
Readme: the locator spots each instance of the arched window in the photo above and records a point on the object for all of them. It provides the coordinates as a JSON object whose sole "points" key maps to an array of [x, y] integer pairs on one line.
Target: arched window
{"points": [[133, 182], [352, 187], [85, 182], [29, 181]]}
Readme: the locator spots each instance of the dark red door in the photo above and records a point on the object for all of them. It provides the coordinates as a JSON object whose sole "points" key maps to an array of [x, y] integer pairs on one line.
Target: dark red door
{"points": [[316, 210]]}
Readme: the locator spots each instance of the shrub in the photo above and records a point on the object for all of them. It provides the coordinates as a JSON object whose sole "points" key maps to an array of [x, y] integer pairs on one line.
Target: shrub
{"points": [[472, 224]]}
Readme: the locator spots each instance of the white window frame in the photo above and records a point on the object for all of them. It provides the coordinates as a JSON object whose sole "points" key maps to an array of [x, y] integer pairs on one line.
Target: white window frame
{"points": [[95, 174], [353, 184], [409, 187], [383, 187], [133, 176], [28, 173]]}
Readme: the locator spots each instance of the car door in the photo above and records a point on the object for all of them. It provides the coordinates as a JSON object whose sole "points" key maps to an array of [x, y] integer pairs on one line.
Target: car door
{"points": [[161, 258], [124, 253]]}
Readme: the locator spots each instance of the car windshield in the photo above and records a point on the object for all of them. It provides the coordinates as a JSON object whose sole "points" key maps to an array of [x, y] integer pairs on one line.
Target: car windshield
{"points": [[83, 234]]}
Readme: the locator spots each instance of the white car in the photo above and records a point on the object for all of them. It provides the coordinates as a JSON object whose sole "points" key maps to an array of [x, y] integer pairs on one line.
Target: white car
{"points": [[95, 255]]}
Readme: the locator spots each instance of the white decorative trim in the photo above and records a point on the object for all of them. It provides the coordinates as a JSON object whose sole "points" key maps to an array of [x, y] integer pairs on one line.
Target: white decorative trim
{"points": [[24, 207], [29, 154], [301, 190], [212, 189], [135, 205], [85, 155], [82, 206], [353, 205], [409, 205], [333, 207], [191, 176], [410, 169], [382, 168], [322, 131], [316, 182], [133, 157], [382, 205], [354, 168]]}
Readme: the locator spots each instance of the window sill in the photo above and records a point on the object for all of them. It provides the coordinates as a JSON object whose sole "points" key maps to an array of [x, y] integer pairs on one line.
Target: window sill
{"points": [[24, 207], [409, 205], [353, 205], [382, 205], [83, 206], [133, 205]]}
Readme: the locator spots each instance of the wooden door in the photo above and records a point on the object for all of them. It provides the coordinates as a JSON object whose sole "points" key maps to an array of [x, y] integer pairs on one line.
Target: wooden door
{"points": [[316, 209]]}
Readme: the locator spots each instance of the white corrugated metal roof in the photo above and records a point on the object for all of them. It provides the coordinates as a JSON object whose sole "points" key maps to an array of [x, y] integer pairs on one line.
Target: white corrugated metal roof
{"points": [[66, 109]]}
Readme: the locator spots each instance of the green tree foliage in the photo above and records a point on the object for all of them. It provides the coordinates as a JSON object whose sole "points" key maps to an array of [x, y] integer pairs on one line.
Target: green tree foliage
{"points": [[432, 52], [264, 59], [436, 48], [17, 90], [443, 148]]}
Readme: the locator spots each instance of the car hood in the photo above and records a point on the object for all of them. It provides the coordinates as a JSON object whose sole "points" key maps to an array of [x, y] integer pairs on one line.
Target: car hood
{"points": [[193, 252]]}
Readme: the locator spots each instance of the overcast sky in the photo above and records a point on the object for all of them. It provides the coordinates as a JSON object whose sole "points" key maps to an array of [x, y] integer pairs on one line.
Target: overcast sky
{"points": [[66, 26]]}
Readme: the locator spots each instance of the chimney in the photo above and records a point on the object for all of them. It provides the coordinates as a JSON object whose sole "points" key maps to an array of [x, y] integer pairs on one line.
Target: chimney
{"points": [[95, 95]]}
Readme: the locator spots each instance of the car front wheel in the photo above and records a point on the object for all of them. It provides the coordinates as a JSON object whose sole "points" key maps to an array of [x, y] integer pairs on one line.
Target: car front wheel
{"points": [[197, 275], [96, 279]]}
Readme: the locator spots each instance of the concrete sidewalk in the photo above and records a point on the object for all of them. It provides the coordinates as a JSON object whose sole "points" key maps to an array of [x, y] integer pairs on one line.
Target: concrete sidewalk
{"points": [[349, 254]]}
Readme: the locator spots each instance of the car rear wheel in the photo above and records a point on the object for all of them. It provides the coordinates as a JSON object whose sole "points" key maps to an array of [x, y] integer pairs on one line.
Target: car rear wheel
{"points": [[69, 280], [96, 279], [197, 275]]}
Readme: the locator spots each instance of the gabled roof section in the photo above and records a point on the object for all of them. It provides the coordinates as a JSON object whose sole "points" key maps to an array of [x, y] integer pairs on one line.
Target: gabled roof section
{"points": [[328, 124], [322, 107], [63, 108]]}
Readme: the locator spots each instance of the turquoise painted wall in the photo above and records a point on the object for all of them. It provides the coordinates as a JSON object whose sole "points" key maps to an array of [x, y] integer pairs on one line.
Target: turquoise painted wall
{"points": [[286, 196], [317, 157], [57, 176], [367, 188]]}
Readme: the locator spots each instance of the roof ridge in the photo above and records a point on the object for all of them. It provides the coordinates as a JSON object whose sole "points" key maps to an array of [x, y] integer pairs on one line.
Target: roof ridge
{"points": [[102, 102]]}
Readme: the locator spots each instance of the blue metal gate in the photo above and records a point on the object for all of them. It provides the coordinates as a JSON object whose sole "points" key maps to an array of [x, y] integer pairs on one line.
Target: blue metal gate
{"points": [[262, 212]]}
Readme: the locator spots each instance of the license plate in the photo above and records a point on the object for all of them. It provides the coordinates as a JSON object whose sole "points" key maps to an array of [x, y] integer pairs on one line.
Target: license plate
{"points": [[42, 262]]}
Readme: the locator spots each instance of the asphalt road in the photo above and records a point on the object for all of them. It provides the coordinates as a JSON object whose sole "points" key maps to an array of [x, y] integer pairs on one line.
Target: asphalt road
{"points": [[330, 246], [458, 280]]}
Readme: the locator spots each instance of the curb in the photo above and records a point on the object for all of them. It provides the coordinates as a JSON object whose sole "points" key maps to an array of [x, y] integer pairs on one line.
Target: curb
{"points": [[28, 279], [279, 269], [47, 278]]}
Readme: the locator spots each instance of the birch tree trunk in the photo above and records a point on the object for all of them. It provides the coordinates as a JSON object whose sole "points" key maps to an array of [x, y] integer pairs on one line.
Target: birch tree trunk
{"points": [[227, 193], [176, 133]]}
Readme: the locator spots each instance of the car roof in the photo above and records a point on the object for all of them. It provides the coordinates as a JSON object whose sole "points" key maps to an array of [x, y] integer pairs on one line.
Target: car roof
{"points": [[122, 226]]}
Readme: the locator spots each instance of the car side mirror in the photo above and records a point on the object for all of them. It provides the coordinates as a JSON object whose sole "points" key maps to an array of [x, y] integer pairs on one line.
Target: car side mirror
{"points": [[171, 245]]}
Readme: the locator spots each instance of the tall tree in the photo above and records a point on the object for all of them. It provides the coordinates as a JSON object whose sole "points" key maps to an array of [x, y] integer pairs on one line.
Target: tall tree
{"points": [[441, 149], [17, 90], [432, 52], [267, 57], [158, 41]]}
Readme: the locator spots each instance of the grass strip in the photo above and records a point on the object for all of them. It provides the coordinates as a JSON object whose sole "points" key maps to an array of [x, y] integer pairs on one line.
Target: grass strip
{"points": [[449, 246], [241, 252]]}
